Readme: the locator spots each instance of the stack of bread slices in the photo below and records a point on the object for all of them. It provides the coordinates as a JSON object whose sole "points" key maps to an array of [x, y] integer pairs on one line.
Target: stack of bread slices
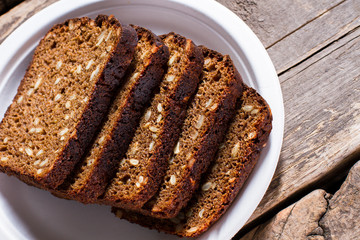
{"points": [[161, 129]]}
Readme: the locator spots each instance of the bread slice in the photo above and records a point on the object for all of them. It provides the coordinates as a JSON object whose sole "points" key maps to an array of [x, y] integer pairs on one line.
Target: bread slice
{"points": [[237, 156], [140, 172], [94, 172], [204, 128], [63, 97]]}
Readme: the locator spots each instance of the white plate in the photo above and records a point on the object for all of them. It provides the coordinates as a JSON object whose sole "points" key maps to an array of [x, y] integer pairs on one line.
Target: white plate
{"points": [[30, 213]]}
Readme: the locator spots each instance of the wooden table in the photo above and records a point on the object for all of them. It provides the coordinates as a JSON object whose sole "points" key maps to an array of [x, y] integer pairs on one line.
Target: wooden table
{"points": [[315, 47]]}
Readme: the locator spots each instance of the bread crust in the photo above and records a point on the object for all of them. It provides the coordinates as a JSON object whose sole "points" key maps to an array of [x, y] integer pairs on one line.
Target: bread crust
{"points": [[97, 107], [98, 104], [177, 103], [123, 128], [168, 202], [171, 216], [183, 225]]}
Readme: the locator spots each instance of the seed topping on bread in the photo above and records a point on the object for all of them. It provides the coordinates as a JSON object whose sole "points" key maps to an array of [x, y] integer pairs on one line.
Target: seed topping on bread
{"points": [[202, 132], [226, 175], [159, 128], [90, 178], [58, 97]]}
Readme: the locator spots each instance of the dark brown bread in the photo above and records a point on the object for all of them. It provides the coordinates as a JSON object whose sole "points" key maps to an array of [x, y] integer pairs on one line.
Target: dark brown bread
{"points": [[237, 156], [140, 172], [94, 172], [203, 130], [63, 97]]}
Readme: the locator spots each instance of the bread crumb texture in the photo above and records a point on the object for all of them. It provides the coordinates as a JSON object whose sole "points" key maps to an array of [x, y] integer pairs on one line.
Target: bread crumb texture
{"points": [[54, 95]]}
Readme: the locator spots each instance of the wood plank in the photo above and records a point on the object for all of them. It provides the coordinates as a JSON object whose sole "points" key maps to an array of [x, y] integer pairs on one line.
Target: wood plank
{"points": [[321, 94], [315, 35], [322, 123], [341, 221], [289, 43], [298, 221], [318, 215], [16, 16], [272, 20]]}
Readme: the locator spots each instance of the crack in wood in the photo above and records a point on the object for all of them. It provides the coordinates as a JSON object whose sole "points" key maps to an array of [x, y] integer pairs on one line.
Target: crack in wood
{"points": [[316, 35], [321, 50], [304, 24]]}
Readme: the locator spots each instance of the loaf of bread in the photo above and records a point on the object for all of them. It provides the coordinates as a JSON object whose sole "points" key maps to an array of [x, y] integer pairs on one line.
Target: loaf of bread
{"points": [[141, 170], [160, 129], [236, 157], [63, 97], [93, 173], [203, 130]]}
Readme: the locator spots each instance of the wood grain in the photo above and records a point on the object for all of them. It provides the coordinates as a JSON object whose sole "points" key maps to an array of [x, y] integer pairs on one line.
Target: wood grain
{"points": [[318, 215], [296, 222], [322, 123], [16, 16], [315, 47], [287, 30], [315, 35], [272, 20]]}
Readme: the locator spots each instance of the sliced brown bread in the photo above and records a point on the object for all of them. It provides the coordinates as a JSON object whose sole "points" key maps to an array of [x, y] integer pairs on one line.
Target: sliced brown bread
{"points": [[63, 97], [94, 172], [204, 128], [237, 156], [140, 172]]}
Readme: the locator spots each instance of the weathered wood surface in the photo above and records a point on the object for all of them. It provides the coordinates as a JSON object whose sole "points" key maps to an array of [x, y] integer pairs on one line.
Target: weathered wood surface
{"points": [[316, 56], [296, 222], [341, 221], [317, 216], [294, 30], [315, 47], [315, 35], [16, 16], [322, 123]]}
